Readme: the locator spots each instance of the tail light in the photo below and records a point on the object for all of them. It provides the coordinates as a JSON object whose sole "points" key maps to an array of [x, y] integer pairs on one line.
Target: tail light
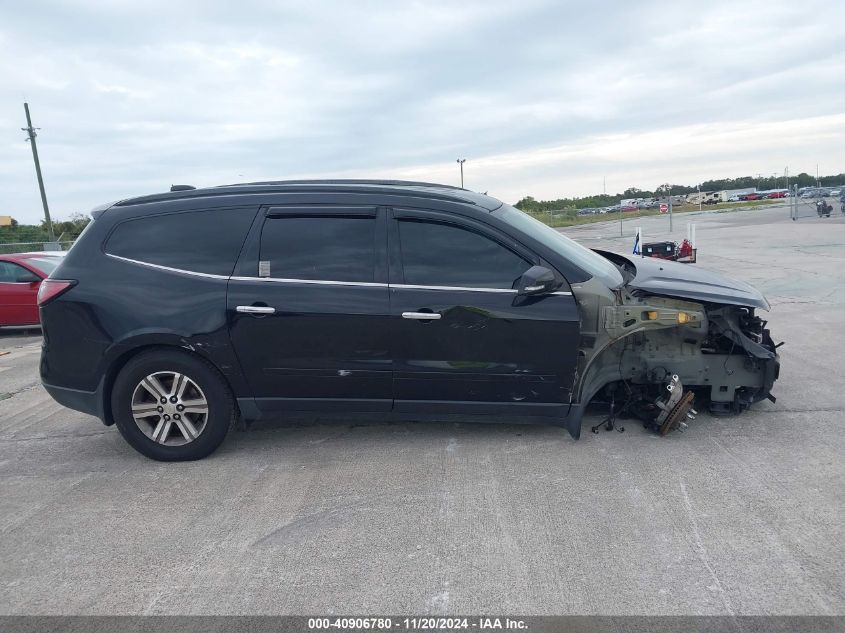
{"points": [[52, 288]]}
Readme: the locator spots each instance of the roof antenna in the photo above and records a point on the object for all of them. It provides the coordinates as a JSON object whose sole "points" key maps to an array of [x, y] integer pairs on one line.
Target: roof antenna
{"points": [[182, 187]]}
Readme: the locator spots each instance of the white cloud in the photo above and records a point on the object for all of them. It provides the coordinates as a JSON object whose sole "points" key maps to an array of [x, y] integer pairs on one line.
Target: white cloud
{"points": [[682, 155], [543, 98]]}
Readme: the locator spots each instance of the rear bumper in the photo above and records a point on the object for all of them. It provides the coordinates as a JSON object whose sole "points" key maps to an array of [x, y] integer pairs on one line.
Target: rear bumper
{"points": [[90, 402]]}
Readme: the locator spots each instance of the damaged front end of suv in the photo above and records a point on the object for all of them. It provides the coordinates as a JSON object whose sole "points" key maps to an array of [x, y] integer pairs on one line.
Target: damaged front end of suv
{"points": [[670, 338]]}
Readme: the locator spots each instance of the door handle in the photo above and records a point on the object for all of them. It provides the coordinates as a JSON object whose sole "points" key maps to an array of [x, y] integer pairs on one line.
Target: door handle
{"points": [[421, 316], [256, 309]]}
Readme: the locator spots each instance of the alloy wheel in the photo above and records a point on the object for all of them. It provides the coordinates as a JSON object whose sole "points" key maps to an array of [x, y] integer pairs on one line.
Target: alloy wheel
{"points": [[169, 408]]}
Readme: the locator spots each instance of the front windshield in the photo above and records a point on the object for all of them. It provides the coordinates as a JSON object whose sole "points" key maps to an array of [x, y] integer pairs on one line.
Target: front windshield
{"points": [[583, 258]]}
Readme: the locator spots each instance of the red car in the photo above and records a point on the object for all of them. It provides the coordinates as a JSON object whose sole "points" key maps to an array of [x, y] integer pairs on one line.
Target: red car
{"points": [[20, 278], [750, 196], [776, 194]]}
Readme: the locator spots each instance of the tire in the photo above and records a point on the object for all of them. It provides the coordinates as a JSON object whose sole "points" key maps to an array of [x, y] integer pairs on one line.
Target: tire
{"points": [[191, 430]]}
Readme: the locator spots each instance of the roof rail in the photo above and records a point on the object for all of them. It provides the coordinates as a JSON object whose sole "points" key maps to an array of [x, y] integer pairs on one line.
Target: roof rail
{"points": [[445, 192], [347, 181]]}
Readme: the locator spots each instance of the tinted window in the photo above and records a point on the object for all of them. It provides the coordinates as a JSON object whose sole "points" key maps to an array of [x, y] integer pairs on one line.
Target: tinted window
{"points": [[582, 257], [319, 248], [200, 241], [445, 255], [11, 273]]}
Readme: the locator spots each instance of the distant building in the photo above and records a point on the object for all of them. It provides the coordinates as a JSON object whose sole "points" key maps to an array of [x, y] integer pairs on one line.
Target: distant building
{"points": [[5, 220]]}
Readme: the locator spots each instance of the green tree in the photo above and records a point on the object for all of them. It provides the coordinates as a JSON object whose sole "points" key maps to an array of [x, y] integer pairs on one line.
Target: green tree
{"points": [[69, 229]]}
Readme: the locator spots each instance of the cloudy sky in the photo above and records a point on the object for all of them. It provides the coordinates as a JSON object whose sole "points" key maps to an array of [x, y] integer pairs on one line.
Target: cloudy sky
{"points": [[543, 97]]}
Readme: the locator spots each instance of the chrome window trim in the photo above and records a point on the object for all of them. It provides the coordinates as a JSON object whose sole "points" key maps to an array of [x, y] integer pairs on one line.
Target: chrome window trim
{"points": [[168, 268], [320, 282], [468, 289], [458, 288]]}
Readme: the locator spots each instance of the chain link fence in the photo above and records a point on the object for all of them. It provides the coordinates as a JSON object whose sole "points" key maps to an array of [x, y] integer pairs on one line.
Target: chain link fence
{"points": [[10, 248], [820, 204], [811, 208]]}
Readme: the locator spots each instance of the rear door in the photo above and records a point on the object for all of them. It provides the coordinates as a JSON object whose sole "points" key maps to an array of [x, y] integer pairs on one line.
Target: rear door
{"points": [[462, 339], [18, 295], [309, 310]]}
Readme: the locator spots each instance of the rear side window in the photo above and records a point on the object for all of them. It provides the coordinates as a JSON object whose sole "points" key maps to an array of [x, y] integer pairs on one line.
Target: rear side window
{"points": [[436, 254], [319, 248], [198, 241], [12, 273]]}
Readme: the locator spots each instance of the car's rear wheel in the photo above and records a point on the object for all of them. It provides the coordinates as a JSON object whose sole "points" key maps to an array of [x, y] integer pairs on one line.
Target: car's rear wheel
{"points": [[172, 406]]}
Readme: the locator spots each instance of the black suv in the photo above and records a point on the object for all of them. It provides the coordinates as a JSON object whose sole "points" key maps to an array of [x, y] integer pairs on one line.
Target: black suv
{"points": [[175, 314]]}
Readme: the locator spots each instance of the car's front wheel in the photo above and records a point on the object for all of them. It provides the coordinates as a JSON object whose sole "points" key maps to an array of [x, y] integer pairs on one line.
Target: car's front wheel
{"points": [[172, 406]]}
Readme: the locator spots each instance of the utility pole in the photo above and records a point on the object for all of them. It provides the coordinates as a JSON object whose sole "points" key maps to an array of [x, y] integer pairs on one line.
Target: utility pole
{"points": [[817, 175], [31, 132], [670, 210], [793, 202], [698, 186], [461, 162]]}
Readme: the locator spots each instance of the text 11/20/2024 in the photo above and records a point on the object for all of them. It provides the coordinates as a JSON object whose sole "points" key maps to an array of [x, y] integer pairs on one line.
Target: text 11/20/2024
{"points": [[422, 623]]}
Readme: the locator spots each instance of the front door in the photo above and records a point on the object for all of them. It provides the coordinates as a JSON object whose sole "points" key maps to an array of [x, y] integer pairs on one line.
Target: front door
{"points": [[18, 292], [309, 310], [462, 339]]}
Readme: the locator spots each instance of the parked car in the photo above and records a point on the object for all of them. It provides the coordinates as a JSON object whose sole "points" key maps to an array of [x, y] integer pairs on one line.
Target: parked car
{"points": [[628, 207], [177, 313], [735, 198], [751, 196], [834, 193], [776, 194], [20, 279]]}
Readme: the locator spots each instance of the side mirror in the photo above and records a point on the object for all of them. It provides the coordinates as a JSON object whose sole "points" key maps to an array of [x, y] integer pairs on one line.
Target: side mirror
{"points": [[537, 280]]}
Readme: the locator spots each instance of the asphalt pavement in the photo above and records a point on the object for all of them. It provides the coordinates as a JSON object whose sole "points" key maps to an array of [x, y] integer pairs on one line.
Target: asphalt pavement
{"points": [[736, 516]]}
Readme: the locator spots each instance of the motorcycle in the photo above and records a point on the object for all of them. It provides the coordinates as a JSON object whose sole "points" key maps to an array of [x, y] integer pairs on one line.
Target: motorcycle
{"points": [[823, 208]]}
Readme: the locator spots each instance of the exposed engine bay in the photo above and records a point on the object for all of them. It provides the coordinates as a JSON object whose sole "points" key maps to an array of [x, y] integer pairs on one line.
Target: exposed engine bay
{"points": [[655, 357]]}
